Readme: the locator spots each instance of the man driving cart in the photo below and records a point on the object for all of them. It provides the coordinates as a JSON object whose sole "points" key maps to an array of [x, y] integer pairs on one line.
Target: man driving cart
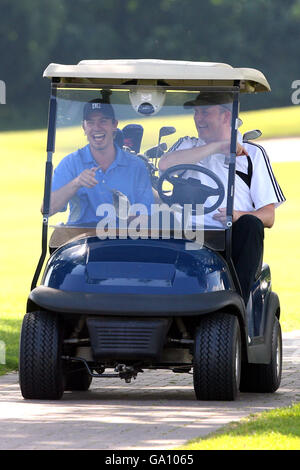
{"points": [[257, 192]]}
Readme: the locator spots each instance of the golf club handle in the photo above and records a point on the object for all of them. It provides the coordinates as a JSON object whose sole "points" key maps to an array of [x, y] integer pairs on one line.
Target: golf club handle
{"points": [[157, 151]]}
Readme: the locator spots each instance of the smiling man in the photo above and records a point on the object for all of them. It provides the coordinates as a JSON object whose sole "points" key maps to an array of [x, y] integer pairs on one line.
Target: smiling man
{"points": [[257, 192], [87, 177]]}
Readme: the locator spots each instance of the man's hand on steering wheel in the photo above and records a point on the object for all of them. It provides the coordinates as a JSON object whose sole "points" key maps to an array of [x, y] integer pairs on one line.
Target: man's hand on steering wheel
{"points": [[190, 190]]}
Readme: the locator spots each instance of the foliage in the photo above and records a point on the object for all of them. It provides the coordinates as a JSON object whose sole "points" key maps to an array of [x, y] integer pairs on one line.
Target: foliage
{"points": [[262, 34], [278, 429]]}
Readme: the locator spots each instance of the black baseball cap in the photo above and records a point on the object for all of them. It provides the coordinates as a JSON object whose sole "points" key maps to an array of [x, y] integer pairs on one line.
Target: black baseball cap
{"points": [[211, 99], [98, 105]]}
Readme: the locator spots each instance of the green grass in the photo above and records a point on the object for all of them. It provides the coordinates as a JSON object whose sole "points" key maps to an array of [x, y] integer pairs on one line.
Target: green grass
{"points": [[282, 248], [276, 122], [21, 188], [278, 429]]}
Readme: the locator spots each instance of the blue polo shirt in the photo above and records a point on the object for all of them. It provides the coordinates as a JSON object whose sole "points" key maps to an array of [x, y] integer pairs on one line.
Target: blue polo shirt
{"points": [[127, 174]]}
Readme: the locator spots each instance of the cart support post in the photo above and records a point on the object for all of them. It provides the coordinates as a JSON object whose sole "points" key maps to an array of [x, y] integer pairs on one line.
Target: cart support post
{"points": [[231, 185], [48, 181]]}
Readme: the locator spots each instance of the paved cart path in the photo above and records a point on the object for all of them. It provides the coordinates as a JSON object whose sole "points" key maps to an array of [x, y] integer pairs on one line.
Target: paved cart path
{"points": [[156, 411]]}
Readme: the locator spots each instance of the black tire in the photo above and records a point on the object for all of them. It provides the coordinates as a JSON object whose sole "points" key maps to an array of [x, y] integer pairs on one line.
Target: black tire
{"points": [[77, 377], [265, 378], [40, 364], [217, 358]]}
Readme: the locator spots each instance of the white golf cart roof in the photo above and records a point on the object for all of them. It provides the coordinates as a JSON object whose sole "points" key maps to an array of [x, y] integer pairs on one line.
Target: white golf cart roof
{"points": [[175, 73]]}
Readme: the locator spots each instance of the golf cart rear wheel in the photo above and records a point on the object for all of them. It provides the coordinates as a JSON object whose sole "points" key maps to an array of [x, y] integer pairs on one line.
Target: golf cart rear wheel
{"points": [[41, 372], [77, 377], [217, 358], [265, 378]]}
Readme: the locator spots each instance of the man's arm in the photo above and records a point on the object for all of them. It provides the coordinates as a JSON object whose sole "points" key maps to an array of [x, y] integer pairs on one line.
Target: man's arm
{"points": [[196, 154], [266, 214], [62, 196]]}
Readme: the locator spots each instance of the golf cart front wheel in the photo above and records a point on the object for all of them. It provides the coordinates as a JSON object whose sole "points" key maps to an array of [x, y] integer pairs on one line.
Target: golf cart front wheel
{"points": [[217, 358], [265, 378], [40, 364]]}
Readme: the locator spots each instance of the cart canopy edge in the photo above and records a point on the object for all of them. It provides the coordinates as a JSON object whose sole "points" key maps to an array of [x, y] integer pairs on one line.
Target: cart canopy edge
{"points": [[210, 73]]}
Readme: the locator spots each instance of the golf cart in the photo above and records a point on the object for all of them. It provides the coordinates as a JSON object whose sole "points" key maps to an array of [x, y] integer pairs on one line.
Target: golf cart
{"points": [[130, 291]]}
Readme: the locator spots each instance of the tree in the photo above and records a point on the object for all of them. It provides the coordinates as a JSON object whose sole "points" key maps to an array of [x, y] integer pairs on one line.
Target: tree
{"points": [[261, 34]]}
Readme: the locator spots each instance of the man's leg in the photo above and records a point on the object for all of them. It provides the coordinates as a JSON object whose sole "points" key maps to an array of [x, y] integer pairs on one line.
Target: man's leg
{"points": [[247, 250]]}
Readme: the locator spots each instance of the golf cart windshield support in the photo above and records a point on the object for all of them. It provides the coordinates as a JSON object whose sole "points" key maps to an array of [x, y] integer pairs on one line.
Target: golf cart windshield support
{"points": [[231, 176], [48, 180], [231, 185]]}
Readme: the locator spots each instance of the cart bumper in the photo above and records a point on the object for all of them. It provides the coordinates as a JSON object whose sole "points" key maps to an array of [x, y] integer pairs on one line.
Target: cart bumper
{"points": [[133, 304]]}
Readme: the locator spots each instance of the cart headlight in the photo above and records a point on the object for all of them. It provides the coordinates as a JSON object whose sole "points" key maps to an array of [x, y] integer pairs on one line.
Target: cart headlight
{"points": [[147, 102]]}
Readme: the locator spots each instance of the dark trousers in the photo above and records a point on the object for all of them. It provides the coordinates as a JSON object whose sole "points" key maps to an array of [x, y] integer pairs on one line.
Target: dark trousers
{"points": [[247, 250]]}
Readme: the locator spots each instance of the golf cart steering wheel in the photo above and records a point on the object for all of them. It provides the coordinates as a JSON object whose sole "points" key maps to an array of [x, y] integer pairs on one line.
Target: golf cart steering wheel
{"points": [[190, 190]]}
